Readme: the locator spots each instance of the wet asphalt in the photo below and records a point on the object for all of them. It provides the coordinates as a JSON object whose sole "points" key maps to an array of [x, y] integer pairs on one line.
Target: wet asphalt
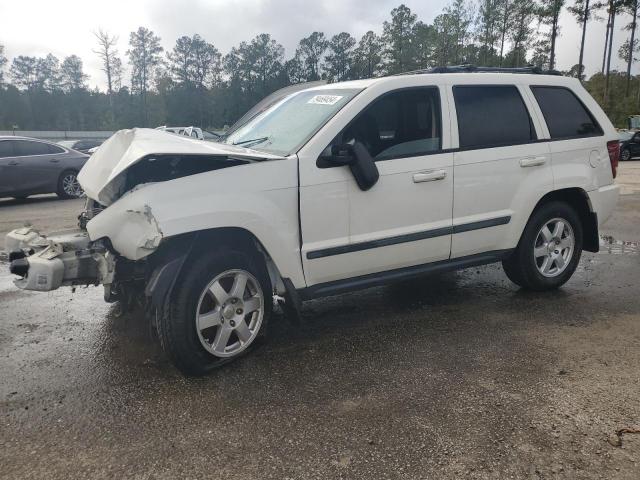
{"points": [[455, 376]]}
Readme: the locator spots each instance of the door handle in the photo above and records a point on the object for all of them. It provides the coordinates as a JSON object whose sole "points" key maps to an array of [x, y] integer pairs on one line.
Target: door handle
{"points": [[429, 176], [533, 161], [55, 160], [13, 162]]}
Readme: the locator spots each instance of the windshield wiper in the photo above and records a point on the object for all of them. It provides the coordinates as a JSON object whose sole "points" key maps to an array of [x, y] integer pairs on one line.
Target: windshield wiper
{"points": [[253, 140]]}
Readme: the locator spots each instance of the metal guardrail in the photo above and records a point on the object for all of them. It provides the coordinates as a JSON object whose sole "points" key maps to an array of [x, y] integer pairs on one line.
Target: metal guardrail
{"points": [[59, 134]]}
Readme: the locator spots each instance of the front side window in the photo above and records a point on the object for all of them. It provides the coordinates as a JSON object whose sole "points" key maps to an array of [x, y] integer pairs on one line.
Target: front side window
{"points": [[399, 124], [6, 148], [25, 148], [492, 116], [565, 115], [284, 127]]}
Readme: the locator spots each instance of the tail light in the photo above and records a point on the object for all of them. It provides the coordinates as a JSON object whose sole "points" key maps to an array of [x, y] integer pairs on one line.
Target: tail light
{"points": [[613, 147]]}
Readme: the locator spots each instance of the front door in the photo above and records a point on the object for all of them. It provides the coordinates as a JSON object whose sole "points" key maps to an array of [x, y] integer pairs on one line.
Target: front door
{"points": [[403, 220]]}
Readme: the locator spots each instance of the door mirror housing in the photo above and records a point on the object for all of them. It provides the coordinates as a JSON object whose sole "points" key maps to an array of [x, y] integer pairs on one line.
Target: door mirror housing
{"points": [[337, 156], [357, 158]]}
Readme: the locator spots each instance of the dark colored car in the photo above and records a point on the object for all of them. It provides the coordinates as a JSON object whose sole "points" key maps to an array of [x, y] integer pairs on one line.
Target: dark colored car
{"points": [[629, 145], [81, 145], [29, 166]]}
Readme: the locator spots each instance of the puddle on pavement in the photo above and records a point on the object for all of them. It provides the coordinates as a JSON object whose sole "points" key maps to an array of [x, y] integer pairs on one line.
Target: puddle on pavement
{"points": [[609, 244]]}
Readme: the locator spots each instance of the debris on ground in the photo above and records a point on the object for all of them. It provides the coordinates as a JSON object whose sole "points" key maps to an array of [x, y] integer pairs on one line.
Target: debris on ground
{"points": [[615, 439]]}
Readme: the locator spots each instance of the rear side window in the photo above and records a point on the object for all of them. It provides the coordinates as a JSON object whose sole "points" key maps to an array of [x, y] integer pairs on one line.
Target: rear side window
{"points": [[565, 114], [491, 116], [26, 148], [6, 149]]}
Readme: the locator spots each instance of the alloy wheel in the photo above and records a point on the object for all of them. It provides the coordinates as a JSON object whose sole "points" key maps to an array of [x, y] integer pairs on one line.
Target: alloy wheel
{"points": [[554, 247], [71, 186], [229, 313], [625, 155]]}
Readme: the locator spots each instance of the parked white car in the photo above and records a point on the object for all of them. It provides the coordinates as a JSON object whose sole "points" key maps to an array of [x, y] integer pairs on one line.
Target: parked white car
{"points": [[193, 132], [336, 188]]}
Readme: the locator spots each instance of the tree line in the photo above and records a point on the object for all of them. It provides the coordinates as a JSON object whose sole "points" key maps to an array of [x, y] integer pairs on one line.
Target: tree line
{"points": [[195, 84]]}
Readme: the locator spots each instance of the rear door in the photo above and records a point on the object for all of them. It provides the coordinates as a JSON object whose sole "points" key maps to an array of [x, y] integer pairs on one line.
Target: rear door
{"points": [[501, 168], [38, 165], [8, 161]]}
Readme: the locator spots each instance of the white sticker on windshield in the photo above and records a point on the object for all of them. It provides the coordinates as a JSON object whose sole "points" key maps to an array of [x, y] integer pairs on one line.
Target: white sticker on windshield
{"points": [[325, 99]]}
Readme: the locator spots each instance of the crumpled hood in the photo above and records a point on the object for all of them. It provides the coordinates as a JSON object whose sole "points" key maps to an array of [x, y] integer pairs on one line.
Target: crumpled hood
{"points": [[127, 147]]}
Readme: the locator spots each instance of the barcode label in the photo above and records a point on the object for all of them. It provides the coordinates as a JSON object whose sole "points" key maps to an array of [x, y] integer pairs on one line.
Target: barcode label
{"points": [[325, 99]]}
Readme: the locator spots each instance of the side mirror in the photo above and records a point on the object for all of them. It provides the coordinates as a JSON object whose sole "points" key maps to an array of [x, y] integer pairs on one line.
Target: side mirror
{"points": [[339, 156], [357, 158]]}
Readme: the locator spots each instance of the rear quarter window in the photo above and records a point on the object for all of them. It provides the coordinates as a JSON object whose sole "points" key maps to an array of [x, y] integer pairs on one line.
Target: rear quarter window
{"points": [[55, 149], [566, 116], [491, 116]]}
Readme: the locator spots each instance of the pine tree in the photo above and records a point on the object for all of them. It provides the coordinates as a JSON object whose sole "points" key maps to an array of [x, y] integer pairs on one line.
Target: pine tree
{"points": [[339, 60]]}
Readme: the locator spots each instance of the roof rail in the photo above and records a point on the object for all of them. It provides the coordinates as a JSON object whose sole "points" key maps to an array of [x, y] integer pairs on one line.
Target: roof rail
{"points": [[472, 69]]}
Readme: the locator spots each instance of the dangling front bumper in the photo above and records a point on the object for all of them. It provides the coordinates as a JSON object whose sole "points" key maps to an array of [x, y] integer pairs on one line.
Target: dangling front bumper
{"points": [[66, 258]]}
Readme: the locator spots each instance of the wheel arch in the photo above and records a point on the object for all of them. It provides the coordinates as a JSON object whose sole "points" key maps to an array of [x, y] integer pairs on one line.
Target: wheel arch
{"points": [[579, 200], [167, 262], [245, 239]]}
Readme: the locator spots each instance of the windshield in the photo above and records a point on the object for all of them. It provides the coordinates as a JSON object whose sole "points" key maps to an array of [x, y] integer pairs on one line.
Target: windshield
{"points": [[287, 125]]}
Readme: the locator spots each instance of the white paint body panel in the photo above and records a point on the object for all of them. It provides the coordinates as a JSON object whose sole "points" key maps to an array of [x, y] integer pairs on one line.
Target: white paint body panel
{"points": [[260, 197], [127, 147], [335, 212]]}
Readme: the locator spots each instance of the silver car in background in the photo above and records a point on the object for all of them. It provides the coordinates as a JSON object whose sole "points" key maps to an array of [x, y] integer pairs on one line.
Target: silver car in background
{"points": [[82, 146], [29, 166]]}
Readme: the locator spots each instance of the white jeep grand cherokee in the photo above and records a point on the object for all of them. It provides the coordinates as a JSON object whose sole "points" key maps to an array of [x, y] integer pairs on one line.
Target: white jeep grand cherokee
{"points": [[335, 188]]}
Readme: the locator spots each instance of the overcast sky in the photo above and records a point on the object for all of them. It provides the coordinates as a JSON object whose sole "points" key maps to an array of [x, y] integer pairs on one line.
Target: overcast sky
{"points": [[65, 27]]}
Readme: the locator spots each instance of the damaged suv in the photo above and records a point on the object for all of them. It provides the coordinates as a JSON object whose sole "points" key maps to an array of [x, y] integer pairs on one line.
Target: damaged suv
{"points": [[335, 188]]}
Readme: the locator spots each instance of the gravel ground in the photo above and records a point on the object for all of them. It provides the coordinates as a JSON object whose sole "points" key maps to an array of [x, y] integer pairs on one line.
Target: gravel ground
{"points": [[456, 376]]}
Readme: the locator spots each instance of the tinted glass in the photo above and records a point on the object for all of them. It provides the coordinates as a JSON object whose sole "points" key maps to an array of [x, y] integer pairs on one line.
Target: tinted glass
{"points": [[54, 149], [26, 148], [6, 148], [491, 116], [565, 115], [399, 124]]}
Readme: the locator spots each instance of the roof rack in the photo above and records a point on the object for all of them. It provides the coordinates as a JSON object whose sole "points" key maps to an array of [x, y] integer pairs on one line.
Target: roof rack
{"points": [[473, 69]]}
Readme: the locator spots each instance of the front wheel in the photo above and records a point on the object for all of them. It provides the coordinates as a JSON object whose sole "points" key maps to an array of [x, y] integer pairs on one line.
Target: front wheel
{"points": [[218, 311], [549, 249]]}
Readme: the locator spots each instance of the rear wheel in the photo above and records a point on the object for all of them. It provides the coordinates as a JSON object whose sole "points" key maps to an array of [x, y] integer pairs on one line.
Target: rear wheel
{"points": [[549, 250], [68, 185], [218, 311]]}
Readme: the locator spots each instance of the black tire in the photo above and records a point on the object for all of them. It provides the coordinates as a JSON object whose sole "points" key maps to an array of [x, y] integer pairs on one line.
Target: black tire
{"points": [[177, 322], [61, 190], [625, 154], [521, 266]]}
